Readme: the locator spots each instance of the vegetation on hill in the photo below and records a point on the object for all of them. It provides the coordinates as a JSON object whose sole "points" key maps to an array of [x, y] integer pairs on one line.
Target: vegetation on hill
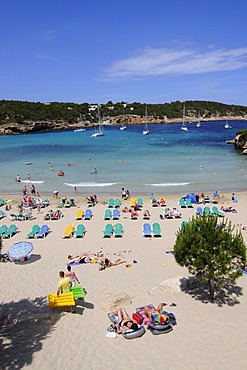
{"points": [[22, 111]]}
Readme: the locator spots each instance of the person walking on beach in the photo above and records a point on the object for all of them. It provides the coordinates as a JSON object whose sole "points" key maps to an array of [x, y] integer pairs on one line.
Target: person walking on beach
{"points": [[24, 190], [72, 275], [33, 190], [64, 283]]}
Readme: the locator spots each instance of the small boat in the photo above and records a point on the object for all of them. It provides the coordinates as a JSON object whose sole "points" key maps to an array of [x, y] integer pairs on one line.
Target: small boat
{"points": [[227, 125], [100, 131], [28, 163], [60, 173], [123, 127], [80, 129], [146, 131], [184, 127]]}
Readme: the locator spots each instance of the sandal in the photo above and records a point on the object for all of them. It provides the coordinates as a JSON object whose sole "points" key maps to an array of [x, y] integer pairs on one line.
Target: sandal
{"points": [[173, 304]]}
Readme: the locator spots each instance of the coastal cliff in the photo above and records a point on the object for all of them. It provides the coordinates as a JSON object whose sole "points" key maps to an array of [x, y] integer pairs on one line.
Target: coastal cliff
{"points": [[240, 141]]}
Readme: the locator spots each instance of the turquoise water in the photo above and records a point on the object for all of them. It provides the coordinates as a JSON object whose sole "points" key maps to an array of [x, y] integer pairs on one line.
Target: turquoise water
{"points": [[166, 161]]}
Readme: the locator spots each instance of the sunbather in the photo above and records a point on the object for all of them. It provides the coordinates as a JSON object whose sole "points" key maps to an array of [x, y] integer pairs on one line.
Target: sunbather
{"points": [[106, 263], [125, 322], [148, 311], [83, 257]]}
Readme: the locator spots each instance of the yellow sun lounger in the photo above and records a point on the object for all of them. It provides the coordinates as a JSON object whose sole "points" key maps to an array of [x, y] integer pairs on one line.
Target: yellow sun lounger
{"points": [[79, 214], [69, 231], [132, 202], [61, 300]]}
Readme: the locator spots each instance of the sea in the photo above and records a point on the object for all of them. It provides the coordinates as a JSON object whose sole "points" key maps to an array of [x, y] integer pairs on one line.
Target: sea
{"points": [[167, 161]]}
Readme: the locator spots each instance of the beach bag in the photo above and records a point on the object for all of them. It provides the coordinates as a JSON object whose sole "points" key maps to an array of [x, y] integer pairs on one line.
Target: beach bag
{"points": [[137, 317]]}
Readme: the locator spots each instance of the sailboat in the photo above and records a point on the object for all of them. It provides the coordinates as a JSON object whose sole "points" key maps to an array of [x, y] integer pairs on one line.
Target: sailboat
{"points": [[199, 121], [146, 131], [123, 126], [227, 125], [100, 131], [184, 127]]}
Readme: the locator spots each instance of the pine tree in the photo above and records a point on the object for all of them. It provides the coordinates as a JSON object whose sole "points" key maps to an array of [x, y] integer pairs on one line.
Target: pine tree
{"points": [[209, 248]]}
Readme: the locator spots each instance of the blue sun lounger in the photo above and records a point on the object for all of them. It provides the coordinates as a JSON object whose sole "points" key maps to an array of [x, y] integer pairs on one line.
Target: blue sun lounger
{"points": [[44, 231], [146, 229], [199, 211], [88, 214], [116, 214]]}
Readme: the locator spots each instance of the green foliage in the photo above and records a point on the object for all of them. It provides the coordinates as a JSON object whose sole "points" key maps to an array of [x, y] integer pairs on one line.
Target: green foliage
{"points": [[208, 249]]}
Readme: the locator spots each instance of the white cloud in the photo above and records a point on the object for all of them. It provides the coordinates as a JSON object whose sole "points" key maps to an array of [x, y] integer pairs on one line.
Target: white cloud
{"points": [[46, 58], [160, 62]]}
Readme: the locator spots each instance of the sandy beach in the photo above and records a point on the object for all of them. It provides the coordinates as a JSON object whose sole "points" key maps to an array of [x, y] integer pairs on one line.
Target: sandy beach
{"points": [[207, 335]]}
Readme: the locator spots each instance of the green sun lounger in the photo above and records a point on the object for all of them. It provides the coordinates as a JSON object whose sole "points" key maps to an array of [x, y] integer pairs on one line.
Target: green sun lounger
{"points": [[2, 214], [156, 229], [107, 233], [217, 212], [183, 225], [207, 211], [33, 232], [107, 215], [10, 232], [140, 202], [80, 231], [2, 202], [111, 203], [3, 229], [117, 203], [182, 203], [189, 203], [118, 231]]}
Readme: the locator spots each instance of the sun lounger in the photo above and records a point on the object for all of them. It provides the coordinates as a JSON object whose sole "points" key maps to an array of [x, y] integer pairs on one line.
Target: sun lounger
{"points": [[79, 214], [140, 202], [207, 211], [182, 203], [162, 202], [216, 212], [88, 214], [69, 231], [60, 205], [107, 233], [44, 231], [134, 215], [3, 229], [176, 213], [146, 229], [56, 215], [2, 214], [146, 215], [68, 204], [45, 203], [156, 229], [118, 230], [10, 232], [115, 214], [189, 203], [107, 215], [33, 232], [132, 202], [117, 203], [2, 202], [80, 231], [168, 213], [90, 203], [183, 224], [155, 202], [199, 211], [111, 203]]}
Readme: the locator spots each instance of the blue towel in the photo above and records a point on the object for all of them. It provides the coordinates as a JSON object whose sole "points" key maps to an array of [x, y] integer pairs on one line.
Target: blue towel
{"points": [[239, 268], [73, 263]]}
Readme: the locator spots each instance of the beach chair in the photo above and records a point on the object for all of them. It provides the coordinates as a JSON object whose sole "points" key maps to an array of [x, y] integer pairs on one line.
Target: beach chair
{"points": [[132, 202], [146, 229], [199, 211], [33, 232], [107, 215], [2, 215], [156, 229], [115, 214], [162, 202], [2, 202], [60, 204], [146, 215], [111, 203], [118, 230], [45, 203], [183, 224], [24, 217], [207, 211], [107, 233], [88, 214], [90, 203], [182, 203], [79, 214], [134, 215], [154, 202], [189, 203], [44, 231], [68, 204], [140, 202], [176, 213], [69, 231], [56, 215], [11, 232], [168, 213], [80, 231], [217, 212], [117, 203], [3, 229]]}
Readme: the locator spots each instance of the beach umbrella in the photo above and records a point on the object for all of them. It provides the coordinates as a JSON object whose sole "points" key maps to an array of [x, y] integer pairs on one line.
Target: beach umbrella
{"points": [[20, 251], [160, 316]]}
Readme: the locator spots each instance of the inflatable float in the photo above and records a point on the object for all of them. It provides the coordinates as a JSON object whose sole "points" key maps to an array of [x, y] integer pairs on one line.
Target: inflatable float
{"points": [[61, 300], [78, 291], [157, 328], [28, 163], [128, 334], [60, 173]]}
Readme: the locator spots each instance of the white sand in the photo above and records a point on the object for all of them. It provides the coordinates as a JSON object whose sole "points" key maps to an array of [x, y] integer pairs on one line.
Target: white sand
{"points": [[208, 336]]}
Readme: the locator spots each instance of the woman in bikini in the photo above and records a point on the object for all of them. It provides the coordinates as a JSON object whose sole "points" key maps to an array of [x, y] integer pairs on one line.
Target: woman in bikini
{"points": [[125, 322], [83, 257]]}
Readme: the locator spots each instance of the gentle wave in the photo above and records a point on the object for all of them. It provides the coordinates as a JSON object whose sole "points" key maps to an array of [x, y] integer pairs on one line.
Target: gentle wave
{"points": [[32, 182], [92, 184], [171, 184]]}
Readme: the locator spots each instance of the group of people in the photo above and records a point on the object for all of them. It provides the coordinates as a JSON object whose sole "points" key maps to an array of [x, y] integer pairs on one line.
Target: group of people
{"points": [[125, 194]]}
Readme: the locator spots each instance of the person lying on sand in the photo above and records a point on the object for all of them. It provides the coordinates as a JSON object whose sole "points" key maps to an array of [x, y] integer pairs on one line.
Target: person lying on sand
{"points": [[125, 322], [83, 257], [106, 263]]}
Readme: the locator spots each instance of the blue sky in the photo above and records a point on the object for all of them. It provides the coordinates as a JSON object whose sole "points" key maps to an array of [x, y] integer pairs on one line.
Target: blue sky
{"points": [[134, 50]]}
